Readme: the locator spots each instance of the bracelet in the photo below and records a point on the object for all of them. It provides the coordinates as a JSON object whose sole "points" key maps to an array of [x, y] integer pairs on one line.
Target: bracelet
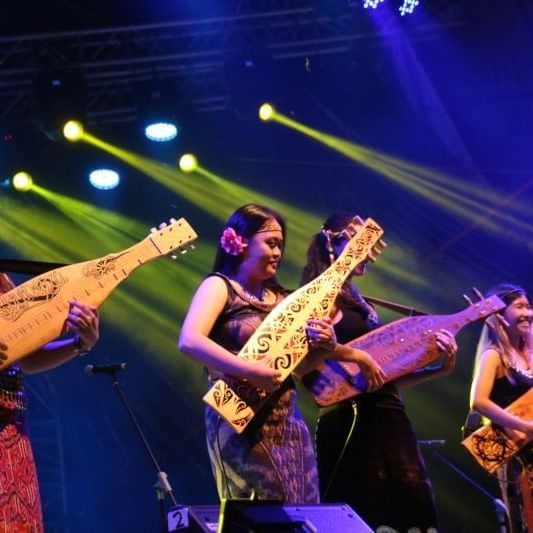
{"points": [[81, 349]]}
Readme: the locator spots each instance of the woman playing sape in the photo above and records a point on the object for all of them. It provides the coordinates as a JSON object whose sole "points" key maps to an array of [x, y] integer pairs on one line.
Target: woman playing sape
{"points": [[273, 458], [504, 372], [368, 454]]}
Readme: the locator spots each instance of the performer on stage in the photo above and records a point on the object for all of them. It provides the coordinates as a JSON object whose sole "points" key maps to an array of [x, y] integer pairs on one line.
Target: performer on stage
{"points": [[20, 505], [503, 372], [273, 458], [368, 454]]}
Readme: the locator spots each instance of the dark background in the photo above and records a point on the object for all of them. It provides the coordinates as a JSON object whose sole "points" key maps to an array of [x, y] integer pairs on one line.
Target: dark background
{"points": [[449, 88]]}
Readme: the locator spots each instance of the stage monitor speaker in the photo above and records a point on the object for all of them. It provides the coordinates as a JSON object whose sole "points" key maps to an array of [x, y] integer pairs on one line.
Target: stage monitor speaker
{"points": [[245, 516]]}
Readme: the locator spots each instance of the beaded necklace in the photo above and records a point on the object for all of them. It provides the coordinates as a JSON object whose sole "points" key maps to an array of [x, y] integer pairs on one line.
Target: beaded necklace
{"points": [[257, 297]]}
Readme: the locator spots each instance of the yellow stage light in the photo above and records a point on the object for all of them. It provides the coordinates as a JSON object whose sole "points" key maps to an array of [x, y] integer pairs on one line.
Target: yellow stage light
{"points": [[73, 130], [188, 163], [22, 181], [266, 111]]}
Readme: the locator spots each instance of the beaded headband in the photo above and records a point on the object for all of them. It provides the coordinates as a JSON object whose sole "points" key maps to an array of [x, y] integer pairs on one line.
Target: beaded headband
{"points": [[269, 225], [348, 232]]}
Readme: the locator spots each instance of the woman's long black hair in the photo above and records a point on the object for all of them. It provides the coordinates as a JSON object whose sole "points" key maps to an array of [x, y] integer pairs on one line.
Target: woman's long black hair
{"points": [[246, 221]]}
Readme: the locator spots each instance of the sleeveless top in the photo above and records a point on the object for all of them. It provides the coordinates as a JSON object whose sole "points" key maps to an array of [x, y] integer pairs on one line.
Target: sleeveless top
{"points": [[274, 457], [241, 316], [507, 389]]}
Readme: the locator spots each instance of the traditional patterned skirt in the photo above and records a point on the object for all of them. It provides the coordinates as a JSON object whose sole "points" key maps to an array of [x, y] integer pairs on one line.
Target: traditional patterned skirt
{"points": [[272, 459], [20, 506], [516, 483]]}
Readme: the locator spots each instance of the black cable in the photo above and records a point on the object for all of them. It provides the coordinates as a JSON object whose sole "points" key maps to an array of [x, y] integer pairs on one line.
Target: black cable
{"points": [[343, 451]]}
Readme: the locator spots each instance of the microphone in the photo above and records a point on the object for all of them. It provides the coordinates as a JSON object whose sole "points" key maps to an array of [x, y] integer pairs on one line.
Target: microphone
{"points": [[104, 369], [433, 443]]}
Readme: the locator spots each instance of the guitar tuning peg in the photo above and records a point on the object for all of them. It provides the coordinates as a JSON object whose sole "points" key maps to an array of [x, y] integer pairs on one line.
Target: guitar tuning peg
{"points": [[173, 257], [468, 300], [502, 320], [172, 220], [192, 247], [162, 225], [153, 230], [183, 251], [478, 293], [382, 243]]}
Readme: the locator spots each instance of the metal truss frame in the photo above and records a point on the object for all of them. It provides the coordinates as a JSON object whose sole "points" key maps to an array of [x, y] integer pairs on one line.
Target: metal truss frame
{"points": [[188, 55]]}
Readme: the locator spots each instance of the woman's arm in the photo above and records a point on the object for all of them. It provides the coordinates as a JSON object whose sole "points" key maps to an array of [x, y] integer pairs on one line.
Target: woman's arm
{"points": [[323, 344], [206, 306], [82, 320], [372, 371], [489, 367], [446, 343]]}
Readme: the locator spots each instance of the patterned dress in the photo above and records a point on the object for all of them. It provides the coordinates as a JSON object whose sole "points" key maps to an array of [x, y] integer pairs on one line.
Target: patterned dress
{"points": [[20, 506], [368, 454], [516, 477], [273, 458]]}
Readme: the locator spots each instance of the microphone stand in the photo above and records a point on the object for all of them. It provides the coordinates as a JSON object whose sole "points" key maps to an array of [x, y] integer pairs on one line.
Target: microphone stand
{"points": [[162, 485], [500, 508]]}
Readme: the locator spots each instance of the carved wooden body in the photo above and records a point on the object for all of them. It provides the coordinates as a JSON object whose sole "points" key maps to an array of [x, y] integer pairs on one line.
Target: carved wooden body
{"points": [[492, 446], [282, 333], [399, 347], [34, 313]]}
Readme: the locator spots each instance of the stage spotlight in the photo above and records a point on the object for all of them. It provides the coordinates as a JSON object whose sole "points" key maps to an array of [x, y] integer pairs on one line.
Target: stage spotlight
{"points": [[408, 6], [266, 111], [73, 130], [188, 163], [161, 131], [372, 3], [157, 110], [22, 181], [104, 179]]}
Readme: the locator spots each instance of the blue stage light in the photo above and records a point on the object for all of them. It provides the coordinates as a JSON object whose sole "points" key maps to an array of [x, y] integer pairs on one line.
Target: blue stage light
{"points": [[161, 131], [104, 179], [372, 3], [408, 7]]}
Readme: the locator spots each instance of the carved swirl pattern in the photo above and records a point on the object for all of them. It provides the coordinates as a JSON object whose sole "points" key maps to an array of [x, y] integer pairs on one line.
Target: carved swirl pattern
{"points": [[16, 302], [99, 269], [264, 341], [493, 448], [240, 406], [399, 347]]}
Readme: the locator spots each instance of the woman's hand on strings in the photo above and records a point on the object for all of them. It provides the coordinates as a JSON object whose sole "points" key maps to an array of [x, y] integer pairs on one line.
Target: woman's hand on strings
{"points": [[371, 370], [321, 335], [448, 346]]}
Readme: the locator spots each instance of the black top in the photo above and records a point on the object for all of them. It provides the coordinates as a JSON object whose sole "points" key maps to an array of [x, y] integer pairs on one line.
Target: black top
{"points": [[509, 388], [353, 325]]}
